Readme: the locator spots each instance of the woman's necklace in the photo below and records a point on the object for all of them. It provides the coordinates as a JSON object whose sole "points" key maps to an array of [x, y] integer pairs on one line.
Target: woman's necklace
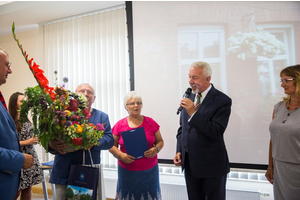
{"points": [[289, 113], [135, 122]]}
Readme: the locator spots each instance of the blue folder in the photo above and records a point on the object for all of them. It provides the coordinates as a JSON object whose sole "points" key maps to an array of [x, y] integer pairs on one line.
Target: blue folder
{"points": [[49, 163], [135, 142]]}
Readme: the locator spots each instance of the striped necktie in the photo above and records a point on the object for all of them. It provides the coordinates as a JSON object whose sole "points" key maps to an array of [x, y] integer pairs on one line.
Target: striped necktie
{"points": [[198, 102], [2, 100]]}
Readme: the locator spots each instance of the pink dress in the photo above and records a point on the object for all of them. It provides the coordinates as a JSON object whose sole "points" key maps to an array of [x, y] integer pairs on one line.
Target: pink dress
{"points": [[151, 127]]}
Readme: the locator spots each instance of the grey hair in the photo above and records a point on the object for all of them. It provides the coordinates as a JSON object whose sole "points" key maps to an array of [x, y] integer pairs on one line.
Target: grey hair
{"points": [[131, 94], [206, 68], [3, 51], [85, 84]]}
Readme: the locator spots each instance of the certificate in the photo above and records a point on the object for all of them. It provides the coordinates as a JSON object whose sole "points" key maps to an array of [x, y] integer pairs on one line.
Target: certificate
{"points": [[135, 142]]}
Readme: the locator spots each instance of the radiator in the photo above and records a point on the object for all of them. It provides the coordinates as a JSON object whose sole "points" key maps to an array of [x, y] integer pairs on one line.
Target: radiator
{"points": [[178, 192], [232, 194]]}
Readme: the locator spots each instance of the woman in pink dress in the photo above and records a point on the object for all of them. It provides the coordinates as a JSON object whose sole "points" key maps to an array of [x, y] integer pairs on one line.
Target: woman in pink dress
{"points": [[138, 179]]}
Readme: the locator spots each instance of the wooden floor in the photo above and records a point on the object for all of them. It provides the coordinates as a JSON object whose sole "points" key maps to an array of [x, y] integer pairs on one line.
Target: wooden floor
{"points": [[41, 197]]}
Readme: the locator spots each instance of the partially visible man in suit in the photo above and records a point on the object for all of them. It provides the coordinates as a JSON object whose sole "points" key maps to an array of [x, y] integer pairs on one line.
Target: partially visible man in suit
{"points": [[201, 149], [11, 159]]}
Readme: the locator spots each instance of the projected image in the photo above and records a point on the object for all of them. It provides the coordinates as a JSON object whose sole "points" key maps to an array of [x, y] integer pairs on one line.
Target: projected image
{"points": [[247, 44], [253, 67]]}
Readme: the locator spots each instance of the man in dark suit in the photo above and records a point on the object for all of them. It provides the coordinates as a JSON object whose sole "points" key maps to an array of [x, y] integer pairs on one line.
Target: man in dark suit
{"points": [[201, 149]]}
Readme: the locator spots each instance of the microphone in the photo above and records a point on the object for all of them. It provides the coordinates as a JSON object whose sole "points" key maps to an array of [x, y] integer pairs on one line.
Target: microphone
{"points": [[186, 95]]}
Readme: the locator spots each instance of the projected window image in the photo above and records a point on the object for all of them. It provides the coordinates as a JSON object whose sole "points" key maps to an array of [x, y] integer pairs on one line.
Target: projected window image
{"points": [[197, 43]]}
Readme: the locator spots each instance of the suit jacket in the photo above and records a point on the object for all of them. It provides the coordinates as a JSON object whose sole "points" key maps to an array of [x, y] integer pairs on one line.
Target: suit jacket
{"points": [[203, 136], [62, 162], [11, 159]]}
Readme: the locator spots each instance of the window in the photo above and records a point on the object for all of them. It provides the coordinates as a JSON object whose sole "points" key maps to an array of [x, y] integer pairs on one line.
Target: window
{"points": [[91, 49], [269, 68], [202, 43]]}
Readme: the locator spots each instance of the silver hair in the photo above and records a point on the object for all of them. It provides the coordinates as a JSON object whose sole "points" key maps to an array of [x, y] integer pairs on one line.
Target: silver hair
{"points": [[85, 84], [131, 94], [206, 68]]}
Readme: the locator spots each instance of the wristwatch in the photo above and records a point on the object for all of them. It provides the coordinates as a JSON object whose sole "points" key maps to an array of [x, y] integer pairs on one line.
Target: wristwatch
{"points": [[158, 149]]}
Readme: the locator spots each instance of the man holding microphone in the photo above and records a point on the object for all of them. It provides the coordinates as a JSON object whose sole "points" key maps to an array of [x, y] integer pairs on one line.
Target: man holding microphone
{"points": [[201, 149]]}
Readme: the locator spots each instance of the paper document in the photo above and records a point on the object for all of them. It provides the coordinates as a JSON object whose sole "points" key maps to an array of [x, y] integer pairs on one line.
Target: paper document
{"points": [[135, 142]]}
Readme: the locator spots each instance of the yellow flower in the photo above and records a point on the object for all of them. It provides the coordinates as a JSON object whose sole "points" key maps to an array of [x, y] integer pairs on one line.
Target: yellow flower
{"points": [[68, 112], [78, 129]]}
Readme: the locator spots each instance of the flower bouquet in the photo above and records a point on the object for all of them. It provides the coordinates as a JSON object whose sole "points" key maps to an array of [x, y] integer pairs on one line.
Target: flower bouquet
{"points": [[259, 43], [57, 113]]}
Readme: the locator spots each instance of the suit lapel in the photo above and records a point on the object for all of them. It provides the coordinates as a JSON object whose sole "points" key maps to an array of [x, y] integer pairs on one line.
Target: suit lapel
{"points": [[208, 99], [192, 97]]}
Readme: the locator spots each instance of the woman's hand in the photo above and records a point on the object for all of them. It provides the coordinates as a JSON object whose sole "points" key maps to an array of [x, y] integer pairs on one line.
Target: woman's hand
{"points": [[151, 152], [269, 175], [31, 141], [126, 158]]}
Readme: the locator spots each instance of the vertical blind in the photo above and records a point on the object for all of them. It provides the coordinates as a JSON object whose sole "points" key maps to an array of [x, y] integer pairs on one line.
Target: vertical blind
{"points": [[93, 49]]}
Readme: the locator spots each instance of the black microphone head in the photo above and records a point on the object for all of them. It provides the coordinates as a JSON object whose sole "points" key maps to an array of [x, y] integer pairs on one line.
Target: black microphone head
{"points": [[187, 92], [186, 95]]}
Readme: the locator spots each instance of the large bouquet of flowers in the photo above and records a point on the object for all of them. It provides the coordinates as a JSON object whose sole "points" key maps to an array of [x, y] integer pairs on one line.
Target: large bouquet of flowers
{"points": [[57, 113], [259, 43]]}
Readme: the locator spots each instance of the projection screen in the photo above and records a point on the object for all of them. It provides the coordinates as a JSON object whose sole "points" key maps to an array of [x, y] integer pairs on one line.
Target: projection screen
{"points": [[246, 43]]}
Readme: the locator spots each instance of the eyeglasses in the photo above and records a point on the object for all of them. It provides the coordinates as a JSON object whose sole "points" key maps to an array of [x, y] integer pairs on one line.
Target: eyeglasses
{"points": [[133, 103], [286, 80], [83, 91], [8, 65]]}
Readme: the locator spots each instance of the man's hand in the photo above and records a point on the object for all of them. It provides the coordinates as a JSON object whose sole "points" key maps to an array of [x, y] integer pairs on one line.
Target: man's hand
{"points": [[177, 159], [28, 161], [58, 146], [188, 105]]}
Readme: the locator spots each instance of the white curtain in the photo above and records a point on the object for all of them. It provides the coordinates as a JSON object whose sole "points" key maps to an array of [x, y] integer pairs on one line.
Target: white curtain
{"points": [[90, 48]]}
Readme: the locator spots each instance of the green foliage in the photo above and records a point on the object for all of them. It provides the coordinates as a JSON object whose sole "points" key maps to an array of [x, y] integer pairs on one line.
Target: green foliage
{"points": [[85, 197], [69, 193], [35, 103]]}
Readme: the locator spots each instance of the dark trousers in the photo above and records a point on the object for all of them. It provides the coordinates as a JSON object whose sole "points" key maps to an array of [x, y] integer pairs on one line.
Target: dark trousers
{"points": [[204, 188]]}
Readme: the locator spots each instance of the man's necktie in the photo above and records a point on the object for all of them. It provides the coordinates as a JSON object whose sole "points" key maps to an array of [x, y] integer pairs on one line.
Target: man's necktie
{"points": [[198, 102], [2, 100]]}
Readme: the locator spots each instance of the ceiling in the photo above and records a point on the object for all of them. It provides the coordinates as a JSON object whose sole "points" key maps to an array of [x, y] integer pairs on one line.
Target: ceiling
{"points": [[28, 14]]}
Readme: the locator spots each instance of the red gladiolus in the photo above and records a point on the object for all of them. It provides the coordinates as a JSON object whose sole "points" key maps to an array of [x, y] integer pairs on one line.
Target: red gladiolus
{"points": [[36, 68], [30, 61]]}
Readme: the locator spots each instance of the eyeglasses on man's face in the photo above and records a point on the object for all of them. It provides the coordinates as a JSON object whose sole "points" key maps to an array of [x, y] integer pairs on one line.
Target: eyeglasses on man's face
{"points": [[133, 103], [286, 80], [85, 91], [8, 64]]}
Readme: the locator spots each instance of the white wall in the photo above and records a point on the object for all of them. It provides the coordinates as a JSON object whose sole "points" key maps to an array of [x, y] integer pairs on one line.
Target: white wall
{"points": [[21, 76]]}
